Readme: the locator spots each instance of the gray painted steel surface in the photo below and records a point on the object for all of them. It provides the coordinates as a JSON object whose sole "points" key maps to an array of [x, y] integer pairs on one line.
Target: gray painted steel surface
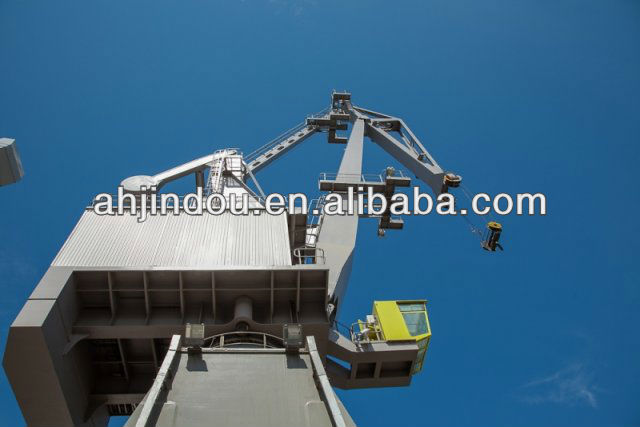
{"points": [[240, 387], [177, 241], [10, 163], [93, 339], [329, 395], [89, 341], [338, 235]]}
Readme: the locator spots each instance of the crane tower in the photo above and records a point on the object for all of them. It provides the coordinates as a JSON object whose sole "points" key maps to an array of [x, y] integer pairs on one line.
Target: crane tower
{"points": [[222, 320]]}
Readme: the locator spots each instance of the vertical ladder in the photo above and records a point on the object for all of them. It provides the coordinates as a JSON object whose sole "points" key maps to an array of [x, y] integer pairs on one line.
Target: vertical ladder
{"points": [[227, 160]]}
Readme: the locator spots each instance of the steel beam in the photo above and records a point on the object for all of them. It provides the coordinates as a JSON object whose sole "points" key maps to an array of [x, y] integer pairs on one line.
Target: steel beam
{"points": [[338, 234], [150, 407], [327, 390], [431, 174], [275, 152]]}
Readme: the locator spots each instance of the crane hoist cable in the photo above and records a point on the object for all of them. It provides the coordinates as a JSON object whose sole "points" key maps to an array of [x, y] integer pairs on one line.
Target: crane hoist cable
{"points": [[490, 237]]}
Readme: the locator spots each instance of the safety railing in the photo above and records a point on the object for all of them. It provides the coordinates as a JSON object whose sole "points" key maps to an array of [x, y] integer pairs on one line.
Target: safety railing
{"points": [[314, 224], [365, 177], [356, 333], [278, 139], [239, 338], [222, 161], [309, 255], [233, 151], [365, 332], [316, 209]]}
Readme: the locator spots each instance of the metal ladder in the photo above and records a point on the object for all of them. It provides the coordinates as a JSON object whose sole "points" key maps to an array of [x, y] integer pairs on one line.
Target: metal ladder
{"points": [[315, 224], [223, 160]]}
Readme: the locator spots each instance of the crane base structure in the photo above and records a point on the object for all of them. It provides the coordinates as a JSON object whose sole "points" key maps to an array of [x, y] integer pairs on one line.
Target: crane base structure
{"points": [[276, 388], [221, 320]]}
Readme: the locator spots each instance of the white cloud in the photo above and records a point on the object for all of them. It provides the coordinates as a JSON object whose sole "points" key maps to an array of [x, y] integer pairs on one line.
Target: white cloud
{"points": [[572, 385]]}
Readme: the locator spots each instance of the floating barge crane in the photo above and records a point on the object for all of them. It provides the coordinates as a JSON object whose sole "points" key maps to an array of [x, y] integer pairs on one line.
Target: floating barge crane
{"points": [[222, 320]]}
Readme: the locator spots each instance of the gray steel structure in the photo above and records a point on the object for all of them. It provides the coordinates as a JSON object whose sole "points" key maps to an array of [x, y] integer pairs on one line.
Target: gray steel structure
{"points": [[94, 338], [10, 163]]}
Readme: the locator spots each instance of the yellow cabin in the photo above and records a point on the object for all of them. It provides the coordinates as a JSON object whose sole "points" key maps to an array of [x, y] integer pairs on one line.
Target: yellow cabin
{"points": [[399, 321]]}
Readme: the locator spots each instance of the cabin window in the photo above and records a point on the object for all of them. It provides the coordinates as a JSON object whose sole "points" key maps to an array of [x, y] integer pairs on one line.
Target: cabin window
{"points": [[415, 318]]}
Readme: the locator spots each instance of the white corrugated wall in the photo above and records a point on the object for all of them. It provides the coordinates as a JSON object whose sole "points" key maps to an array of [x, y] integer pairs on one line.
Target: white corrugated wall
{"points": [[177, 241]]}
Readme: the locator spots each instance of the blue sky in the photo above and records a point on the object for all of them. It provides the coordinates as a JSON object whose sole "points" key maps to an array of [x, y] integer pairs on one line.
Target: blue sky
{"points": [[515, 95]]}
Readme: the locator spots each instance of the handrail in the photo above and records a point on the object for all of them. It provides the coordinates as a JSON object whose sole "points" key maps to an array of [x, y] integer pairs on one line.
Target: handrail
{"points": [[160, 383], [317, 255], [221, 336], [325, 385], [275, 141], [365, 177]]}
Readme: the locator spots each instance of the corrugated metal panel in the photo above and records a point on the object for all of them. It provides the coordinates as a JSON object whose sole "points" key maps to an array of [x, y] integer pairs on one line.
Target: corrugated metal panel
{"points": [[177, 241]]}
